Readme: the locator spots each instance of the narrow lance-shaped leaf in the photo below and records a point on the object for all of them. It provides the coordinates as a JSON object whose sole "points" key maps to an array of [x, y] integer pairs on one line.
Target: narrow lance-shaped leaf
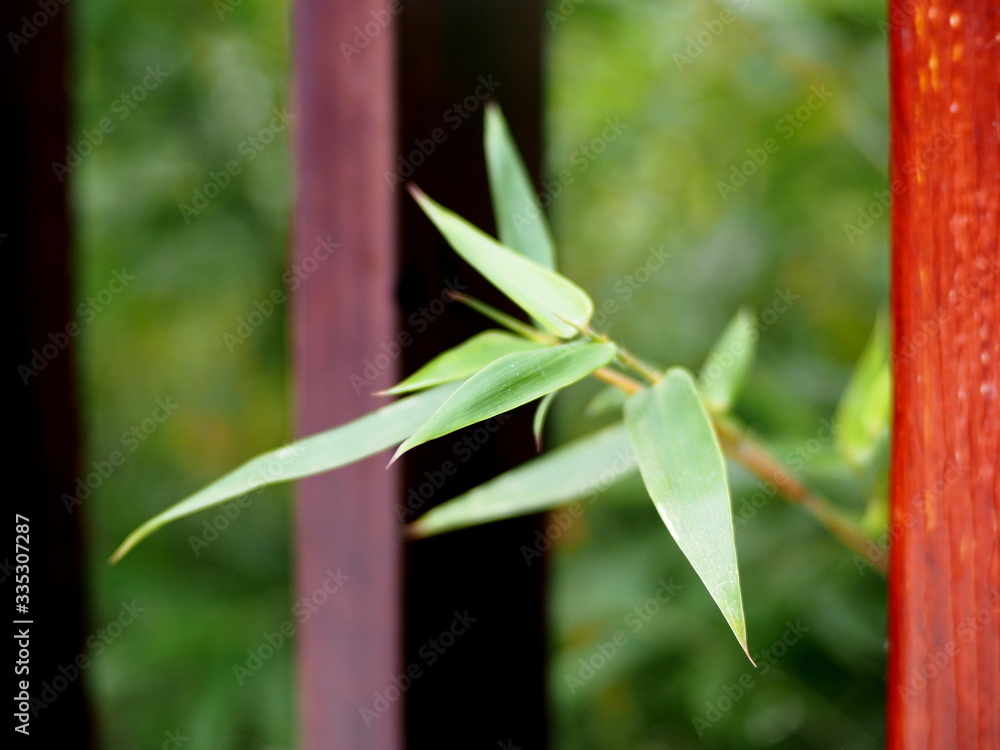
{"points": [[728, 362], [510, 382], [863, 413], [579, 470], [315, 454], [521, 223], [551, 299], [538, 423], [681, 463], [464, 360]]}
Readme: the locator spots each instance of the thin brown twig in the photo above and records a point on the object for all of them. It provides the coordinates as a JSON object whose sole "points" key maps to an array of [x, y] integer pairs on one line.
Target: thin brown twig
{"points": [[764, 466]]}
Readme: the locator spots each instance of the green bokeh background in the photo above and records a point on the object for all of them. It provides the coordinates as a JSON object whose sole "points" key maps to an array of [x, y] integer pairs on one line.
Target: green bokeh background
{"points": [[686, 123]]}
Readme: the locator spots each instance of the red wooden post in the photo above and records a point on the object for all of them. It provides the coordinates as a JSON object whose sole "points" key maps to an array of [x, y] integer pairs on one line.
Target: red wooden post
{"points": [[344, 141], [944, 618]]}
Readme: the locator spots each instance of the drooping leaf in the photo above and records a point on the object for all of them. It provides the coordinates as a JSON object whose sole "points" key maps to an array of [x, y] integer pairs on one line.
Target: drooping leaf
{"points": [[331, 449], [579, 470], [606, 400], [520, 220], [728, 362], [538, 423], [682, 466], [551, 299], [464, 360], [510, 382], [863, 413]]}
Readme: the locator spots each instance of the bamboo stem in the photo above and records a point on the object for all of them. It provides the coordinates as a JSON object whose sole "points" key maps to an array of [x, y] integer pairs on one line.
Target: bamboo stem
{"points": [[755, 459]]}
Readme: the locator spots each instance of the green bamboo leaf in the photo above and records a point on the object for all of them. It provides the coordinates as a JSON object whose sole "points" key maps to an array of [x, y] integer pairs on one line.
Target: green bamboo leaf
{"points": [[551, 299], [608, 399], [538, 423], [863, 413], [315, 454], [510, 382], [578, 470], [681, 463], [728, 362], [464, 360], [521, 223]]}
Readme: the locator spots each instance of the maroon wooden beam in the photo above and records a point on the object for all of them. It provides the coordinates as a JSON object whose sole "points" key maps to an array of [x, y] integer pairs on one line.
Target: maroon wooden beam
{"points": [[343, 126], [944, 614]]}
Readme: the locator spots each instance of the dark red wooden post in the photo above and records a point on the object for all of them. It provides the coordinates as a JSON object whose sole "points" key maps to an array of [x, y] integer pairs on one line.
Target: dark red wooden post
{"points": [[944, 619], [344, 136]]}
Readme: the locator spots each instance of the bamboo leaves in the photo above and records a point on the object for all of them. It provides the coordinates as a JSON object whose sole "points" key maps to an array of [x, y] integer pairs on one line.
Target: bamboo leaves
{"points": [[550, 298], [510, 382], [521, 223], [682, 466], [315, 454]]}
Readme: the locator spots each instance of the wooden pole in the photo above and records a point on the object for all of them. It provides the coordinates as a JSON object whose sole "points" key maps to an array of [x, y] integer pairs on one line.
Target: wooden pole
{"points": [[944, 603], [344, 229]]}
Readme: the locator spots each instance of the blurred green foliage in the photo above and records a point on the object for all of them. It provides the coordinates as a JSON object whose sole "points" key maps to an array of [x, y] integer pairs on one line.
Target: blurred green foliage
{"points": [[639, 140], [697, 85]]}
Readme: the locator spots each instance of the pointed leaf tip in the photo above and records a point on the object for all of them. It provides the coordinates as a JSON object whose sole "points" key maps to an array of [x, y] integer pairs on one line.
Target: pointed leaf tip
{"points": [[545, 295], [520, 220], [682, 466], [324, 451]]}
